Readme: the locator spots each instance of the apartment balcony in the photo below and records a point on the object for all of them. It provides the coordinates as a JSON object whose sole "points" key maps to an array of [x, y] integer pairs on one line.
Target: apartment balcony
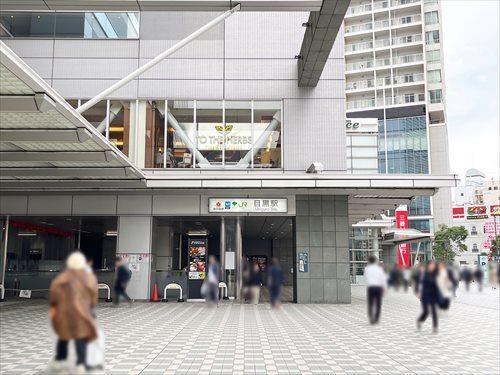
{"points": [[358, 47], [397, 3], [370, 84], [382, 63], [364, 104], [365, 8], [365, 27], [407, 20]]}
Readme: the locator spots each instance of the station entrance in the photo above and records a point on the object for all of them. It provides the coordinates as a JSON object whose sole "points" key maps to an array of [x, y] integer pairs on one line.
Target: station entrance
{"points": [[182, 245]]}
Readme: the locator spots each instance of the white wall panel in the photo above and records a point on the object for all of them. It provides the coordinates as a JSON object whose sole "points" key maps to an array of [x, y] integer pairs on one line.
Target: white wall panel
{"points": [[31, 47], [265, 34], [13, 204], [276, 69], [93, 68], [176, 205], [49, 204], [277, 89], [134, 205], [181, 89], [86, 88], [99, 48], [94, 205], [306, 122], [43, 66], [185, 69], [213, 48]]}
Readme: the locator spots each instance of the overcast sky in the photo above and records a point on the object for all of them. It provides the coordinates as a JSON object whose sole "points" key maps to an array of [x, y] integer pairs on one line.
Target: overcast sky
{"points": [[471, 53]]}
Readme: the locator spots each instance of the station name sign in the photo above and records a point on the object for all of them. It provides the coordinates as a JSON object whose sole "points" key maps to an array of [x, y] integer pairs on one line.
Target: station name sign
{"points": [[247, 205]]}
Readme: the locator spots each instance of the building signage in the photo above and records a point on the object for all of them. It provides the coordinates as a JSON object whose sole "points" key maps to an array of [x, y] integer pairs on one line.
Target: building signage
{"points": [[249, 205], [404, 248], [197, 258], [458, 212], [239, 136], [477, 212], [495, 210], [303, 262], [482, 262], [361, 125], [491, 228]]}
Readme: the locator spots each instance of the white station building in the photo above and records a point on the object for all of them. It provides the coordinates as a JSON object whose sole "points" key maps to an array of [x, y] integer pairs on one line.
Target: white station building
{"points": [[232, 142]]}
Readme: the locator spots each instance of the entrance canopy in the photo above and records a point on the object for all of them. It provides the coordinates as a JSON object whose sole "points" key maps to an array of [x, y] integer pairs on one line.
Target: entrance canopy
{"points": [[395, 237], [42, 138]]}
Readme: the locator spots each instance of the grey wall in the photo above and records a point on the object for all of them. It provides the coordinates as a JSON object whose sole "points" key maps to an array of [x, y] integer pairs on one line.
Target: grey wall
{"points": [[134, 237], [283, 250], [249, 56], [322, 232]]}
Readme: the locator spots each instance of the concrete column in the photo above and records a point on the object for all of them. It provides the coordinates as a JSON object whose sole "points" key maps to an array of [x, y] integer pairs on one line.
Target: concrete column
{"points": [[322, 232], [238, 256], [223, 249], [134, 244]]}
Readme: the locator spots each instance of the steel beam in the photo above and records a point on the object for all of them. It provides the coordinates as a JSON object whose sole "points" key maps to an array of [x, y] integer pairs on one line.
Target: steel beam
{"points": [[322, 29], [46, 135], [51, 156]]}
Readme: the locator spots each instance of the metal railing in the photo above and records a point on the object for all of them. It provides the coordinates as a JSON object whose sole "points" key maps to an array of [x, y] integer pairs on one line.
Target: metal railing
{"points": [[383, 62], [360, 104], [359, 9], [381, 24], [406, 59], [359, 65], [380, 5], [407, 39], [357, 28], [385, 81], [358, 85], [396, 3], [389, 100], [406, 20], [355, 47]]}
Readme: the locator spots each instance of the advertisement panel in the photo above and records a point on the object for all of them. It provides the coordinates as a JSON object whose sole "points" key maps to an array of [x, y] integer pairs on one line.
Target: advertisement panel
{"points": [[458, 212], [403, 249], [229, 205], [477, 212], [197, 258], [495, 210]]}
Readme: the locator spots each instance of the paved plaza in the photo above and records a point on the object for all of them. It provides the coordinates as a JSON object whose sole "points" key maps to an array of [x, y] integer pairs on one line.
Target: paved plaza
{"points": [[189, 338]]}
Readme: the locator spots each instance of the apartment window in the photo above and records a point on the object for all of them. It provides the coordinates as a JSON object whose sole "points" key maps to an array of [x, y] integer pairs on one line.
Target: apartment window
{"points": [[435, 96], [432, 37], [475, 249], [433, 57], [431, 18], [430, 1], [473, 231], [434, 76], [78, 25]]}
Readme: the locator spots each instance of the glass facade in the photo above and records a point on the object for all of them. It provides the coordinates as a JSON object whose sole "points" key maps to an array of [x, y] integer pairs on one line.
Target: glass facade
{"points": [[434, 76], [420, 206], [192, 133], [431, 18], [406, 146], [433, 57], [432, 37], [78, 25], [436, 96]]}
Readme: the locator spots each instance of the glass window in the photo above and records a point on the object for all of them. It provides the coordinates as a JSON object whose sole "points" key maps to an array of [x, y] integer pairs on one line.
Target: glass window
{"points": [[267, 134], [473, 231], [431, 18], [432, 37], [182, 137], [420, 206], [434, 76], [421, 225], [155, 134], [119, 125], [475, 249], [239, 134], [85, 25], [22, 24], [433, 56], [210, 133], [436, 96]]}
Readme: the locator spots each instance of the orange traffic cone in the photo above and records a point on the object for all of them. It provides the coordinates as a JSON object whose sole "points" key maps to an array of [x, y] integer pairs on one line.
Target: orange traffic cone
{"points": [[154, 295]]}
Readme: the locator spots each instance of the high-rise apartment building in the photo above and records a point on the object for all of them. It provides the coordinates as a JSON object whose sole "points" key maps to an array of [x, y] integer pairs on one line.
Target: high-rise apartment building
{"points": [[394, 72]]}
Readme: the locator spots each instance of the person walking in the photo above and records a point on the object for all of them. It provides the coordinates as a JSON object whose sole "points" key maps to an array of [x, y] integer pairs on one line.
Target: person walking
{"points": [[73, 296], [445, 287], [466, 275], [417, 274], [478, 277], [376, 283], [429, 294], [255, 282], [212, 289], [122, 278], [275, 282], [453, 276]]}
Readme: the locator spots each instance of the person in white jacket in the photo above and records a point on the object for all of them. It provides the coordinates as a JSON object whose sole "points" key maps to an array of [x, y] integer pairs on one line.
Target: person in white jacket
{"points": [[376, 283], [445, 286]]}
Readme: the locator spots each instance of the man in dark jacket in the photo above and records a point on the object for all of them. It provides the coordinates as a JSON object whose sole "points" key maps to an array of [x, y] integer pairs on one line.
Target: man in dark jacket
{"points": [[122, 277], [275, 282], [429, 296]]}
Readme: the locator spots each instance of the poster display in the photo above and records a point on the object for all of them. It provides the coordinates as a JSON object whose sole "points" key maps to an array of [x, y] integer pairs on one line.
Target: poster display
{"points": [[303, 262], [197, 258], [495, 210], [261, 260], [477, 212], [403, 249], [134, 260]]}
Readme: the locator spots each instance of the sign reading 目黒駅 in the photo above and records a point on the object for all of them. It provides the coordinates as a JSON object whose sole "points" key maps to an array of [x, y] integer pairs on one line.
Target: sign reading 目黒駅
{"points": [[248, 205]]}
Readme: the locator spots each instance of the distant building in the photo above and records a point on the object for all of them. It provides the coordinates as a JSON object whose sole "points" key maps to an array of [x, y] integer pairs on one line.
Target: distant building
{"points": [[477, 208]]}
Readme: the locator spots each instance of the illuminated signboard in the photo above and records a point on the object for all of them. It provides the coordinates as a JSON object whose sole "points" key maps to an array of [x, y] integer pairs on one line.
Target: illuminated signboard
{"points": [[249, 205]]}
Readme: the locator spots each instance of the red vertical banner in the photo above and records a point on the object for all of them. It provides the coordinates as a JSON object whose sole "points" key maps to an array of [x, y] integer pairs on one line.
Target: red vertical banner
{"points": [[403, 249]]}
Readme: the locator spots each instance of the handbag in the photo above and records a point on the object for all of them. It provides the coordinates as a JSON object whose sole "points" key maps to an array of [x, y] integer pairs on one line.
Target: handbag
{"points": [[95, 351]]}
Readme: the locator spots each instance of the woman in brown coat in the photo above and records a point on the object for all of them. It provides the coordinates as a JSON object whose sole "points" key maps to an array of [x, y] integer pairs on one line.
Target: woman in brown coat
{"points": [[73, 296]]}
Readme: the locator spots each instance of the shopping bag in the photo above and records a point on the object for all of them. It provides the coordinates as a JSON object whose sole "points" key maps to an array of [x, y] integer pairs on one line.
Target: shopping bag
{"points": [[95, 351], [204, 289]]}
